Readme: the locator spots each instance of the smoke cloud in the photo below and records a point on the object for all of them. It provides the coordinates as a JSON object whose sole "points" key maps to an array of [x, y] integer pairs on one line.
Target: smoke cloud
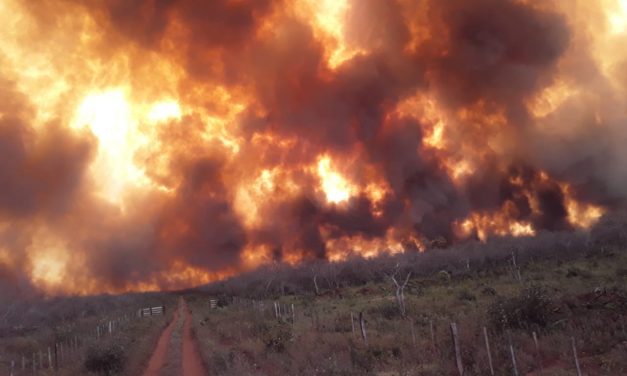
{"points": [[159, 144]]}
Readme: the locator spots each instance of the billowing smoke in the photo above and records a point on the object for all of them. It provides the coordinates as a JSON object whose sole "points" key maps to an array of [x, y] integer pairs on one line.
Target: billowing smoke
{"points": [[164, 143]]}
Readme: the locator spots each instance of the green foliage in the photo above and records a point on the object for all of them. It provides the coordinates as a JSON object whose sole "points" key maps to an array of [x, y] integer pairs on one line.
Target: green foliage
{"points": [[530, 309]]}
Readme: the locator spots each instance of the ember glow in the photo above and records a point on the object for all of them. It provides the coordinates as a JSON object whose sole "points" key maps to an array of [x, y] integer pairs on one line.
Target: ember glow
{"points": [[162, 144]]}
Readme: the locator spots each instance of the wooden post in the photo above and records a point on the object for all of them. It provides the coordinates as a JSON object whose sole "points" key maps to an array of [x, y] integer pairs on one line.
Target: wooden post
{"points": [[49, 358], [23, 363], [41, 359], [353, 323], [413, 332], [276, 311], [487, 348], [432, 334], [317, 320], [456, 346], [293, 314], [34, 365], [538, 354], [572, 342], [110, 327], [511, 353], [516, 269], [12, 366], [362, 326]]}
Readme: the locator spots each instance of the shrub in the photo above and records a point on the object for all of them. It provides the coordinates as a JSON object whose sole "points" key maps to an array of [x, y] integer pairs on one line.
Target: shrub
{"points": [[577, 272], [466, 295], [488, 291], [107, 360], [531, 308], [621, 272], [387, 309], [275, 336], [444, 276]]}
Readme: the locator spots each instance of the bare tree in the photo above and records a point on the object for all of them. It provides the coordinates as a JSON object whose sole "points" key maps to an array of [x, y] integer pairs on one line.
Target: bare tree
{"points": [[8, 312], [315, 281], [331, 273], [316, 269], [400, 289]]}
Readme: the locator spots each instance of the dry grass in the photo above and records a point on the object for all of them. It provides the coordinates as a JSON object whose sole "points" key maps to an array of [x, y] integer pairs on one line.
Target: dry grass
{"points": [[239, 339], [72, 323]]}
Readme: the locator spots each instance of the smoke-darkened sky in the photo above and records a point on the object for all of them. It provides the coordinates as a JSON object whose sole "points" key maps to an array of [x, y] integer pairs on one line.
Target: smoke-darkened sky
{"points": [[158, 144]]}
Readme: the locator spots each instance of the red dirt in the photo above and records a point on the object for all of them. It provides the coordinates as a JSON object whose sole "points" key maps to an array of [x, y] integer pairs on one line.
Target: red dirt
{"points": [[192, 363], [158, 356]]}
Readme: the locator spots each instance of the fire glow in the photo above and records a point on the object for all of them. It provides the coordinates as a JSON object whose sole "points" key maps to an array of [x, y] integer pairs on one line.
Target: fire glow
{"points": [[153, 145]]}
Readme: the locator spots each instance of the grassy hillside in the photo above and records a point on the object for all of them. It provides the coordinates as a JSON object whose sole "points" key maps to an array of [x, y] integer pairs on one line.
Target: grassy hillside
{"points": [[576, 293]]}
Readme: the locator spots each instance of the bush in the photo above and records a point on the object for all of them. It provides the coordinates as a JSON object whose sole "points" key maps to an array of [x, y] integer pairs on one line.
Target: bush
{"points": [[444, 276], [530, 309], [466, 295], [489, 291], [274, 336], [386, 309], [105, 360], [577, 272]]}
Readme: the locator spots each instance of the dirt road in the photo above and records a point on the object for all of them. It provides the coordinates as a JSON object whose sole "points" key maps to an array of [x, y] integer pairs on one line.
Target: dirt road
{"points": [[191, 363]]}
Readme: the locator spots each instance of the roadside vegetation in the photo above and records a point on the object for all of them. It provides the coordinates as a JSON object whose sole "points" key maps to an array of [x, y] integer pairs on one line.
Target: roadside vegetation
{"points": [[78, 329]]}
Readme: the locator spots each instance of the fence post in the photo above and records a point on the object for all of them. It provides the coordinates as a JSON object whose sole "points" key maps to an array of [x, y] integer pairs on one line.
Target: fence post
{"points": [[487, 347], [516, 268], [538, 354], [293, 314], [362, 326], [458, 355], [511, 353], [413, 332], [49, 358], [572, 342], [432, 333], [353, 323], [12, 366]]}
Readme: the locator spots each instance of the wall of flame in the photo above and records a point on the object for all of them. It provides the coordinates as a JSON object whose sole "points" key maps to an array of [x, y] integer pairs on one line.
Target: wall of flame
{"points": [[158, 144]]}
